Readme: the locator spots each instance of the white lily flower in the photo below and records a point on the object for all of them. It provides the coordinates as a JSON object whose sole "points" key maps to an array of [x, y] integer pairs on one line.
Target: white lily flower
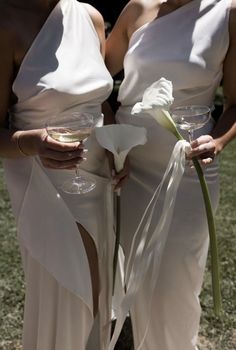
{"points": [[120, 139], [156, 101], [158, 95]]}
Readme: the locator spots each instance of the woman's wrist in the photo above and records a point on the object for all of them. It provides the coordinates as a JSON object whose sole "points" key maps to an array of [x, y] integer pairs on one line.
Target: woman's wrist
{"points": [[20, 146], [28, 142], [219, 145]]}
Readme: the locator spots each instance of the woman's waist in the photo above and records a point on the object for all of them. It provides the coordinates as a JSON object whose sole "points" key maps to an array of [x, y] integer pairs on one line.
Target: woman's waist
{"points": [[31, 117], [124, 116]]}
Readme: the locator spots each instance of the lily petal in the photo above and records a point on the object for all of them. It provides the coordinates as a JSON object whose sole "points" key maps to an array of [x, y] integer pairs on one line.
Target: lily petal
{"points": [[120, 139]]}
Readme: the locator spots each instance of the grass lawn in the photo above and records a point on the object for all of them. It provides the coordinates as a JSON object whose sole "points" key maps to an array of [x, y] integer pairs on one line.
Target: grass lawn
{"points": [[215, 334]]}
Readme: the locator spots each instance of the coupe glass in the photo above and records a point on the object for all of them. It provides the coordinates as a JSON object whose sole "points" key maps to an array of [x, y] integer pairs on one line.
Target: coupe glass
{"points": [[75, 127], [191, 118]]}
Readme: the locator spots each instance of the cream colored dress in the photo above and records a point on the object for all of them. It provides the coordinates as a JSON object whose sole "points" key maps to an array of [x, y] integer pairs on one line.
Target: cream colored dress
{"points": [[187, 47], [62, 72]]}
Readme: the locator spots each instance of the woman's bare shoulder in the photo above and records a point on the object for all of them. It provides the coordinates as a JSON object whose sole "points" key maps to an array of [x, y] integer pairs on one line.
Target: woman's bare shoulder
{"points": [[136, 7], [135, 14], [233, 4]]}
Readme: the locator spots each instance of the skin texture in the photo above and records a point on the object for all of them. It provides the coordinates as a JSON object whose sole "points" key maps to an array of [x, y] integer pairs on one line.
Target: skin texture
{"points": [[20, 22], [139, 12]]}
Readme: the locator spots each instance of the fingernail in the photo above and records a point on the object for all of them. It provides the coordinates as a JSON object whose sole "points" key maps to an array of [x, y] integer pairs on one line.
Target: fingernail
{"points": [[114, 181], [84, 152], [202, 148]]}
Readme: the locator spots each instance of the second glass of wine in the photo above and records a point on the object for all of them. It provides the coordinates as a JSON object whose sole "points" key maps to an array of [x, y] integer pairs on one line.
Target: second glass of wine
{"points": [[75, 127], [191, 118]]}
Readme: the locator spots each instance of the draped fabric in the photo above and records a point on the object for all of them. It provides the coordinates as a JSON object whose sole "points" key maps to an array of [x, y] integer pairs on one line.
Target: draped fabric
{"points": [[187, 47], [63, 72]]}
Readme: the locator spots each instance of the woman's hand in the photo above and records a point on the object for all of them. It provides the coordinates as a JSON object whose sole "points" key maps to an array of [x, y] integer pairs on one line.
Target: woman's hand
{"points": [[120, 178], [53, 154], [58, 155], [204, 148]]}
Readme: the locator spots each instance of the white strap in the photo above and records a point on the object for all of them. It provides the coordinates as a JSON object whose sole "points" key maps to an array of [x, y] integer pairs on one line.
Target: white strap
{"points": [[147, 255]]}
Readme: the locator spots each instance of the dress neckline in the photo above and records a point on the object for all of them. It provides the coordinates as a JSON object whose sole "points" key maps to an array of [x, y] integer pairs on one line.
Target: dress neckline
{"points": [[158, 20]]}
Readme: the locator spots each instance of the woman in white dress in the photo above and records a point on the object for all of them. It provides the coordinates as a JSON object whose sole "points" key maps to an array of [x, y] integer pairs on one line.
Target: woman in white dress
{"points": [[51, 64], [192, 44]]}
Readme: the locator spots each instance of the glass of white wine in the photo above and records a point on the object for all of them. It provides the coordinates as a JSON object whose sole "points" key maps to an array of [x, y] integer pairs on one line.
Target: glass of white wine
{"points": [[191, 118], [75, 127]]}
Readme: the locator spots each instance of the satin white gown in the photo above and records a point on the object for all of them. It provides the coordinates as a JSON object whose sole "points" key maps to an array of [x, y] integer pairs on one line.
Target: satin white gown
{"points": [[62, 72], [186, 47]]}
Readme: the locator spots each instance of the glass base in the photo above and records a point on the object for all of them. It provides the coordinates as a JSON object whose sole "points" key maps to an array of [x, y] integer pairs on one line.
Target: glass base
{"points": [[79, 185]]}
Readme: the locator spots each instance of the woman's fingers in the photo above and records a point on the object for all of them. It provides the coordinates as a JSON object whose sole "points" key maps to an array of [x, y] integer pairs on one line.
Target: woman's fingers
{"points": [[59, 155], [121, 177], [207, 161], [62, 155], [56, 164], [204, 148], [50, 143]]}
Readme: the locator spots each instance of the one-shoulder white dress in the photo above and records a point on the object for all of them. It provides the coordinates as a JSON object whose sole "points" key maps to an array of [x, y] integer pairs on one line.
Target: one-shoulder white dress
{"points": [[187, 47], [62, 72]]}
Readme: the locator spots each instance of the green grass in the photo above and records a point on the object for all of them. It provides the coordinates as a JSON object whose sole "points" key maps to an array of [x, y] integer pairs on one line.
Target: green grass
{"points": [[221, 334], [11, 279], [215, 334]]}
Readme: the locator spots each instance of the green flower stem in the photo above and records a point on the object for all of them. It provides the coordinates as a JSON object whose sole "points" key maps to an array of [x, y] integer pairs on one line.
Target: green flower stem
{"points": [[215, 274], [215, 270], [117, 241]]}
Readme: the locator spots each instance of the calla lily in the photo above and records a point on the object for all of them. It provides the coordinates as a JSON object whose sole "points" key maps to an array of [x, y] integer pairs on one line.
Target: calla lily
{"points": [[119, 139], [156, 101], [158, 95]]}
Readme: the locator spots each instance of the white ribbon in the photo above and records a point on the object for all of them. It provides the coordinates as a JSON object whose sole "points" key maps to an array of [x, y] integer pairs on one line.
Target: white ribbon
{"points": [[150, 245]]}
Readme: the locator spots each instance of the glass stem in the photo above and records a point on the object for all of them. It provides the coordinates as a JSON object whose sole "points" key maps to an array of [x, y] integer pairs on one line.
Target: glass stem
{"points": [[77, 174], [190, 135]]}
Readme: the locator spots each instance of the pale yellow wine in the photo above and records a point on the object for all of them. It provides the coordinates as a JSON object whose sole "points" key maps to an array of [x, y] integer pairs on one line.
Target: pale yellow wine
{"points": [[68, 135]]}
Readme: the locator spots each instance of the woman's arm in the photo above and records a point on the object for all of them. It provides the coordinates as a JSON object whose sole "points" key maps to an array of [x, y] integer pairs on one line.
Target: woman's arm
{"points": [[8, 141], [135, 14], [206, 146], [225, 129]]}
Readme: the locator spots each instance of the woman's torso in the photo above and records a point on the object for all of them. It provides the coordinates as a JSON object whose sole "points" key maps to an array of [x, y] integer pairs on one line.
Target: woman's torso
{"points": [[186, 46], [62, 70]]}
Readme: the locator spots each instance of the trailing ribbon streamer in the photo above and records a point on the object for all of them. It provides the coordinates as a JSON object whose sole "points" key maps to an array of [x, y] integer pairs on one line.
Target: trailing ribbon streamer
{"points": [[149, 249]]}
